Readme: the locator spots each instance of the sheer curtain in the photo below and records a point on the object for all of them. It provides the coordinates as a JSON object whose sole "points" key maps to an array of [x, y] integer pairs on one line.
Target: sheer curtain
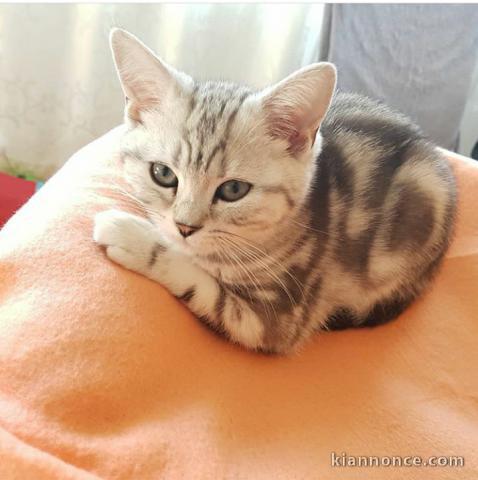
{"points": [[58, 87]]}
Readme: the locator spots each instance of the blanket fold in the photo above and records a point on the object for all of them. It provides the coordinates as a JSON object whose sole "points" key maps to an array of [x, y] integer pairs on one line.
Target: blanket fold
{"points": [[103, 374]]}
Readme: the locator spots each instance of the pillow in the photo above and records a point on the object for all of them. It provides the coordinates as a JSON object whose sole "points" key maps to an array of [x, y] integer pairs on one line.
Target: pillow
{"points": [[104, 374]]}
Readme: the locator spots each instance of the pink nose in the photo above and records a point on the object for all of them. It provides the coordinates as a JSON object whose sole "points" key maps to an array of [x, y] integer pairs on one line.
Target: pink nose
{"points": [[186, 230]]}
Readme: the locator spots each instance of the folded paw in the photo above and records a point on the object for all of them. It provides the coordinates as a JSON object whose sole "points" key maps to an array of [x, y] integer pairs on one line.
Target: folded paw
{"points": [[122, 229], [129, 240]]}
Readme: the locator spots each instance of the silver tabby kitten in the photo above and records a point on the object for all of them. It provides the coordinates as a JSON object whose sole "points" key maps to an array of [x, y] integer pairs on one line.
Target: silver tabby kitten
{"points": [[277, 213]]}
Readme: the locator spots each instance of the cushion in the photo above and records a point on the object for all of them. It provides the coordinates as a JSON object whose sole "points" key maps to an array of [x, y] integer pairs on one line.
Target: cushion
{"points": [[103, 374]]}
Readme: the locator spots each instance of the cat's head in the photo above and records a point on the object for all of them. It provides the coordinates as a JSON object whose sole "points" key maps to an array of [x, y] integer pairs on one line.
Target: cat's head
{"points": [[216, 162]]}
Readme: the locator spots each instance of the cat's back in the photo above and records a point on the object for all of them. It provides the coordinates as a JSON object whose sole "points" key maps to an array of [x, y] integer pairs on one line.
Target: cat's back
{"points": [[370, 150], [356, 124], [388, 198]]}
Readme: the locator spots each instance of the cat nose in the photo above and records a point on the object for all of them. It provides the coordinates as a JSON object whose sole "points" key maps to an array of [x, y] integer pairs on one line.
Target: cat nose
{"points": [[186, 230]]}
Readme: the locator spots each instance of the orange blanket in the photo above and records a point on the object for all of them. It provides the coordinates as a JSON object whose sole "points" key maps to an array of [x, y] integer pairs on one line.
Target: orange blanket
{"points": [[104, 375]]}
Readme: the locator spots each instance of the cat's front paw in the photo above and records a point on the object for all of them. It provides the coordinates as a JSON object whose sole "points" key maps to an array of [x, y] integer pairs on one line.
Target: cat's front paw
{"points": [[114, 227], [129, 240]]}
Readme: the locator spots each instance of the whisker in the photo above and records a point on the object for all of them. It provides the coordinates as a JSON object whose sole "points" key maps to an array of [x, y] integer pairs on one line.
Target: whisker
{"points": [[271, 273], [308, 227], [255, 282], [267, 267], [119, 193]]}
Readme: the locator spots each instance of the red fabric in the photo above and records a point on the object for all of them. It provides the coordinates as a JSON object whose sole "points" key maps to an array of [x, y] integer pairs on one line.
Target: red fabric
{"points": [[14, 192]]}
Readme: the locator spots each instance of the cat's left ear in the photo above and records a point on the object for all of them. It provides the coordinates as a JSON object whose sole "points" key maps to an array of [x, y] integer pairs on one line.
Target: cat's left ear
{"points": [[296, 106]]}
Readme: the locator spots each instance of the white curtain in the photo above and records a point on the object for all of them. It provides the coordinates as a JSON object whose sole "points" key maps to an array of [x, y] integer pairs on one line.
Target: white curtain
{"points": [[58, 87]]}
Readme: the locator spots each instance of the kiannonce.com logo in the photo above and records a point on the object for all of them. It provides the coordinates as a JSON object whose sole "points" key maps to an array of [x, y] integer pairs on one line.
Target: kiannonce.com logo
{"points": [[344, 460]]}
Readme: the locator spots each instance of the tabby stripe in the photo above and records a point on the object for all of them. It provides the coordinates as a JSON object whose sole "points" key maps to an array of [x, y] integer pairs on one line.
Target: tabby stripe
{"points": [[386, 133], [319, 206], [242, 290], [199, 157], [340, 319], [221, 145], [220, 302], [382, 177], [308, 303], [341, 173], [213, 325], [187, 295], [156, 250], [288, 246], [223, 107], [281, 190], [229, 123], [192, 102], [355, 253], [237, 308], [408, 227], [385, 310]]}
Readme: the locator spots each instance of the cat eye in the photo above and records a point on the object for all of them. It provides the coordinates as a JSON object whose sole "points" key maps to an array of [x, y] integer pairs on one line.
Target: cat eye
{"points": [[233, 190], [163, 175]]}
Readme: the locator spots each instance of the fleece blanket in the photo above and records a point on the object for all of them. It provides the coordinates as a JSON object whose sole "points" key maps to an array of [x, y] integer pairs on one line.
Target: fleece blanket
{"points": [[103, 374]]}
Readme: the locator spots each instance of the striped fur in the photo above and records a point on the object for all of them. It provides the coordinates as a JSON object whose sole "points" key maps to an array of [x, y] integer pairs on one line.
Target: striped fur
{"points": [[341, 228]]}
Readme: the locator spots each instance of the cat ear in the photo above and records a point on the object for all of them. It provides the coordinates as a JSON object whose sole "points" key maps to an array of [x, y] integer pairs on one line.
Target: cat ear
{"points": [[145, 79], [296, 106]]}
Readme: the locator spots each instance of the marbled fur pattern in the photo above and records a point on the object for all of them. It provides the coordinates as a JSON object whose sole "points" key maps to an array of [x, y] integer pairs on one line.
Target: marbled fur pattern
{"points": [[343, 232]]}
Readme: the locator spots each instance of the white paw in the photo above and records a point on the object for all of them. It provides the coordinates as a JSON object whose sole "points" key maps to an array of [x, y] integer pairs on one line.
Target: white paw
{"points": [[128, 239], [127, 259], [113, 227]]}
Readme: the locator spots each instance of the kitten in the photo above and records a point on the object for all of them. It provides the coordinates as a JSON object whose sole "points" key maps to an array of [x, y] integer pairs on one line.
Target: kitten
{"points": [[278, 213]]}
